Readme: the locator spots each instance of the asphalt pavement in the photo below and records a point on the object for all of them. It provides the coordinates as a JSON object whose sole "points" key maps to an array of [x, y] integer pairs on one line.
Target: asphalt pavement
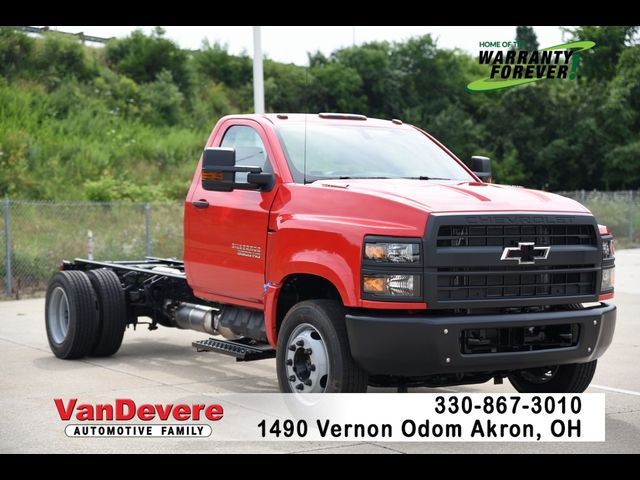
{"points": [[161, 366]]}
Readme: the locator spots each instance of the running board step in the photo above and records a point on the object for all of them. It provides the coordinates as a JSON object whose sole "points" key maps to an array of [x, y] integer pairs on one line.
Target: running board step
{"points": [[245, 350]]}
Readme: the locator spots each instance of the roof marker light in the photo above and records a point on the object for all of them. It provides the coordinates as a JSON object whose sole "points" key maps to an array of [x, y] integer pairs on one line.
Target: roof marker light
{"points": [[342, 116]]}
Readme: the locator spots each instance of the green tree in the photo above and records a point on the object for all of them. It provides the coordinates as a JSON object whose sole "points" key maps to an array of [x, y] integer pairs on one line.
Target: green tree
{"points": [[621, 121], [287, 87], [214, 101], [429, 79], [143, 57], [118, 122], [459, 131], [623, 166], [509, 170], [121, 94], [599, 63], [162, 100], [15, 51], [622, 114], [60, 56], [214, 62], [380, 81], [336, 88], [527, 38]]}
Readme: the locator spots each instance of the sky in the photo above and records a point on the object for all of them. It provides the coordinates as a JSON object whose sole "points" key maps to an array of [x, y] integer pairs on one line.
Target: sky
{"points": [[291, 44]]}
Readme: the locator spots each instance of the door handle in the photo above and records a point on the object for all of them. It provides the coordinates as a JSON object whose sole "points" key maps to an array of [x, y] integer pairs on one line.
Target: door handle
{"points": [[200, 203]]}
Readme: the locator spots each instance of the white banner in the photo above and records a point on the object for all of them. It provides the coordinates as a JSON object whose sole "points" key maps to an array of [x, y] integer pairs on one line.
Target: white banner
{"points": [[386, 417]]}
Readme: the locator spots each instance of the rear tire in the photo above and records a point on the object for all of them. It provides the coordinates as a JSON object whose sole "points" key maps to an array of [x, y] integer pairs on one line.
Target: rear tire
{"points": [[573, 378], [113, 312], [71, 315], [313, 354]]}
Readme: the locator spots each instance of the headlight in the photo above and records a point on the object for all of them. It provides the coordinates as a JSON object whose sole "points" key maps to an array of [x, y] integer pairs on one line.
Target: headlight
{"points": [[391, 285], [392, 268], [608, 279], [387, 252], [608, 248]]}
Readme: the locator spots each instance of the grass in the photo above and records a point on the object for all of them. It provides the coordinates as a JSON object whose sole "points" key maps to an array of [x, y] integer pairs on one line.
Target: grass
{"points": [[54, 148], [44, 233]]}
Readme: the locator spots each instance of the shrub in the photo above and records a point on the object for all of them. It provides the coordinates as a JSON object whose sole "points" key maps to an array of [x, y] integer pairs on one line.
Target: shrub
{"points": [[143, 58], [15, 51], [162, 100], [59, 56]]}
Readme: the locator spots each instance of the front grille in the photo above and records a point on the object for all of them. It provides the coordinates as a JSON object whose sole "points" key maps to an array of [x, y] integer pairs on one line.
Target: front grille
{"points": [[479, 283], [464, 265], [510, 235]]}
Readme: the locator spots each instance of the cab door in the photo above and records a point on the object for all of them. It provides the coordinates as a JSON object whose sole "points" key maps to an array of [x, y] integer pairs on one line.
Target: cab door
{"points": [[226, 243]]}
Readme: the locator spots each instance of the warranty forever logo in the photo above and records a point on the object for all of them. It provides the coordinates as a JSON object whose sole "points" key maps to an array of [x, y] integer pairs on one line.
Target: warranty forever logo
{"points": [[513, 68]]}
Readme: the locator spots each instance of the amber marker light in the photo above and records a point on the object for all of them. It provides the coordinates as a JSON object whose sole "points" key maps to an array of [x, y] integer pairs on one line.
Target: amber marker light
{"points": [[373, 284], [375, 252]]}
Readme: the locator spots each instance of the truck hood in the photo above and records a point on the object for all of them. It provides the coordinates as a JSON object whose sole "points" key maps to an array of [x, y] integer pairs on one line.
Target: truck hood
{"points": [[455, 196]]}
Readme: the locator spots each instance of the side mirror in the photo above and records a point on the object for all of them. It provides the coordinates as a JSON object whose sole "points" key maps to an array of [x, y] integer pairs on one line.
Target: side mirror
{"points": [[219, 172], [481, 166]]}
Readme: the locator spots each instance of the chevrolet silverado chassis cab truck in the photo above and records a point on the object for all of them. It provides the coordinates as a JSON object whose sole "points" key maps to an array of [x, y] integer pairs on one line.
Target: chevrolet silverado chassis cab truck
{"points": [[360, 252]]}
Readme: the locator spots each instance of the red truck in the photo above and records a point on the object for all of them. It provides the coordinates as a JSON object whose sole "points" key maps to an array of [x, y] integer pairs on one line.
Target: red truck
{"points": [[360, 252]]}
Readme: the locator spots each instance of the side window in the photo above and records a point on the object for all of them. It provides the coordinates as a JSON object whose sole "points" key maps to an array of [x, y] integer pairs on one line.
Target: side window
{"points": [[250, 151]]}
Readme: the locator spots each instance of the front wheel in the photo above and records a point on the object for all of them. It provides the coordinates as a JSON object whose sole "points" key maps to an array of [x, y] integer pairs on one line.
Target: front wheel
{"points": [[574, 378], [313, 351]]}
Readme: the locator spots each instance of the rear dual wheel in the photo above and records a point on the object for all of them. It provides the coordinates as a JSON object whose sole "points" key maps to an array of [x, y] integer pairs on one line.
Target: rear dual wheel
{"points": [[85, 313], [71, 315], [113, 312]]}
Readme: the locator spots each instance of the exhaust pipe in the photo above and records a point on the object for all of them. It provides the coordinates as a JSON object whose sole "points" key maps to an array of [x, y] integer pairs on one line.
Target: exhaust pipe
{"points": [[189, 316]]}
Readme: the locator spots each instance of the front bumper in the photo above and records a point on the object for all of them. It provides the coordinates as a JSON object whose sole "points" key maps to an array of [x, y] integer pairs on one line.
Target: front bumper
{"points": [[417, 345]]}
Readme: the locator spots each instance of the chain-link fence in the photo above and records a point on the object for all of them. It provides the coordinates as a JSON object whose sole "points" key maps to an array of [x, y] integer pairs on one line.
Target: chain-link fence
{"points": [[37, 235], [620, 211]]}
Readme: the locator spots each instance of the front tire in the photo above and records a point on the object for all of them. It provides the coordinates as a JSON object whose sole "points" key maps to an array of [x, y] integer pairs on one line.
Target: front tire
{"points": [[313, 354], [71, 315], [573, 378]]}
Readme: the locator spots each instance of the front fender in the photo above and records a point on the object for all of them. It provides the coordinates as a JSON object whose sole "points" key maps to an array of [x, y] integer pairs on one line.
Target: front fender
{"points": [[331, 256]]}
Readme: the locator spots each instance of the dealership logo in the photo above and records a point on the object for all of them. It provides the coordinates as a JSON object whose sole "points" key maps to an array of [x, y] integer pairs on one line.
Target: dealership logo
{"points": [[169, 420], [526, 253], [515, 67]]}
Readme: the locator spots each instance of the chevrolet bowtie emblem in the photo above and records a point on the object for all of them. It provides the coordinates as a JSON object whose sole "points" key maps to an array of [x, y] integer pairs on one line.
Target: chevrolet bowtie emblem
{"points": [[526, 253]]}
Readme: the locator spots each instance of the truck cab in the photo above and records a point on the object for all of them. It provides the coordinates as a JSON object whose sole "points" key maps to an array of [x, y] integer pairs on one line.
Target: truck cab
{"points": [[363, 252]]}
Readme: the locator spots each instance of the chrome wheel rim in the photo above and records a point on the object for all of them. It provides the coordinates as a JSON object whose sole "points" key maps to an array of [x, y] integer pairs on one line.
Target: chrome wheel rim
{"points": [[58, 315], [307, 360]]}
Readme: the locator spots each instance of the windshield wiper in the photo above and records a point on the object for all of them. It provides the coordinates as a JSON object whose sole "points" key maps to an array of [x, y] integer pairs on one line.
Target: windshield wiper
{"points": [[424, 177]]}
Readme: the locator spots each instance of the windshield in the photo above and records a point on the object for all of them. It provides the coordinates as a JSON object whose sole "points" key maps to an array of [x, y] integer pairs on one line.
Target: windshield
{"points": [[357, 151]]}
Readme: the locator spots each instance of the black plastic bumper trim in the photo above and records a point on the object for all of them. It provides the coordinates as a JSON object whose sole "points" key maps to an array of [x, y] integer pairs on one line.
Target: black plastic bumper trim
{"points": [[430, 344]]}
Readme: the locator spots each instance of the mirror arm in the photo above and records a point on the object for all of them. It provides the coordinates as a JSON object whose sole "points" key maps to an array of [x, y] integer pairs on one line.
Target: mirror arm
{"points": [[246, 186], [264, 181]]}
